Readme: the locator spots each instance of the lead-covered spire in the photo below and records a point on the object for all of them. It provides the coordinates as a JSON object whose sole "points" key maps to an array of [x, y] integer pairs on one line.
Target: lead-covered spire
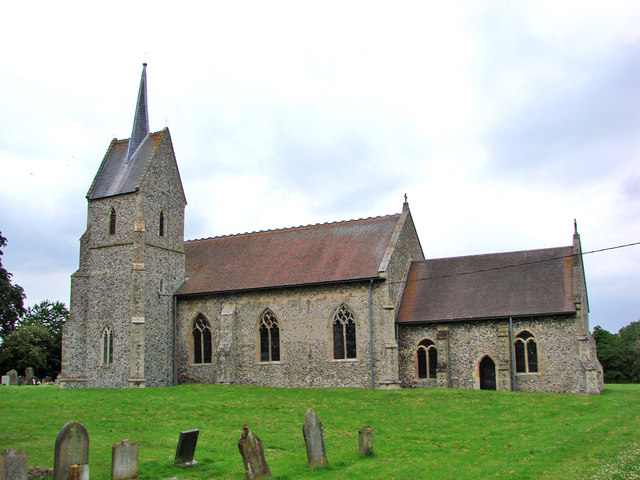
{"points": [[141, 119]]}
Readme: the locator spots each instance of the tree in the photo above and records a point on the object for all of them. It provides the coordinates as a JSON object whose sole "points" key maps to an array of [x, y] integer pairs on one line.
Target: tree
{"points": [[29, 346], [48, 314], [619, 353], [11, 299], [37, 342]]}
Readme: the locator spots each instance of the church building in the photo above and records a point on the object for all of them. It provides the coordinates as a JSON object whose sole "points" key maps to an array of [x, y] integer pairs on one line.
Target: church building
{"points": [[343, 304]]}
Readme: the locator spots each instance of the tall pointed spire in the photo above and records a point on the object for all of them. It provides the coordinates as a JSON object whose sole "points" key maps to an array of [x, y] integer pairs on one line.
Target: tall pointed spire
{"points": [[141, 119]]}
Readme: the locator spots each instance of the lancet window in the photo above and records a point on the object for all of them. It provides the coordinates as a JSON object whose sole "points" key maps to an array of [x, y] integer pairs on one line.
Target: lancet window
{"points": [[107, 345], [161, 224], [426, 359], [526, 351], [112, 221], [269, 337], [344, 334], [202, 341]]}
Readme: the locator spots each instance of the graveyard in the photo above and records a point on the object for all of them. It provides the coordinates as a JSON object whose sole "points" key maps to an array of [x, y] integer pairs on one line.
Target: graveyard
{"points": [[414, 433]]}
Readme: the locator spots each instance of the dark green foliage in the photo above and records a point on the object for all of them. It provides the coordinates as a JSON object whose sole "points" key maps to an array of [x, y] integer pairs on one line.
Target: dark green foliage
{"points": [[11, 298], [619, 353], [37, 342], [28, 346]]}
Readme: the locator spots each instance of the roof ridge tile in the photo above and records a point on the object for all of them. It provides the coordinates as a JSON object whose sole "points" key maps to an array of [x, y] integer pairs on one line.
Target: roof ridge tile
{"points": [[292, 228]]}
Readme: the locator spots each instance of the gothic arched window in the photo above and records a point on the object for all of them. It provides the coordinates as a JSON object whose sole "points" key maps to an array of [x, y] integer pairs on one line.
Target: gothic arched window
{"points": [[269, 337], [426, 359], [107, 345], [112, 221], [161, 224], [526, 351], [344, 334], [202, 340]]}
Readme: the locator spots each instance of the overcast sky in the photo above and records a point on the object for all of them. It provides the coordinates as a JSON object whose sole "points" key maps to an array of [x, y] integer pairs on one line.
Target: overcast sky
{"points": [[502, 121]]}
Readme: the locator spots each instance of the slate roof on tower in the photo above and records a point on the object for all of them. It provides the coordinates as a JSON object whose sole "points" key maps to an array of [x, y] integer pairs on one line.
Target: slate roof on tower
{"points": [[117, 176], [498, 285], [312, 254]]}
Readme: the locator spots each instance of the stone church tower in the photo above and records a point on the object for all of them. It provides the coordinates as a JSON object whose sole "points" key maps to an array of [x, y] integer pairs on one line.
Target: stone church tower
{"points": [[121, 330]]}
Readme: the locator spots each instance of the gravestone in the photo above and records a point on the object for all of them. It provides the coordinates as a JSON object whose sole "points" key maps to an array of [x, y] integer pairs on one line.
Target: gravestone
{"points": [[314, 439], [252, 451], [28, 375], [13, 377], [47, 379], [124, 460], [5, 379], [72, 448], [186, 448], [78, 472], [365, 441], [13, 465], [21, 380]]}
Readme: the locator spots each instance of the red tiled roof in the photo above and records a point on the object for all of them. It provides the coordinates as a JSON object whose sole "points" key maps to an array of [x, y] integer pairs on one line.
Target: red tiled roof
{"points": [[312, 254], [527, 283]]}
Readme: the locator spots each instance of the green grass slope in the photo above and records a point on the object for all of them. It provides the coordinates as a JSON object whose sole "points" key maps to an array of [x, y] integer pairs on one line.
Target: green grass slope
{"points": [[444, 434]]}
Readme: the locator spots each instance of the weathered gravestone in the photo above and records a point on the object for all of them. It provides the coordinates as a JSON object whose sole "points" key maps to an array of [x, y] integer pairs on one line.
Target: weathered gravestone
{"points": [[21, 380], [78, 472], [252, 451], [28, 375], [5, 379], [72, 448], [124, 460], [13, 465], [314, 439], [365, 441], [186, 448], [13, 377]]}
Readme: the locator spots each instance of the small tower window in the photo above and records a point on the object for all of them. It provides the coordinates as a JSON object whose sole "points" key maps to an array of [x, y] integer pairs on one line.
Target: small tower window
{"points": [[161, 224], [269, 338], [112, 221], [344, 334], [107, 345]]}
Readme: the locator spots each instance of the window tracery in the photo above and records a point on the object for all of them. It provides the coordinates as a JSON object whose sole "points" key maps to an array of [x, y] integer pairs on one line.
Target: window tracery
{"points": [[202, 340], [427, 359], [344, 334], [526, 352], [269, 337]]}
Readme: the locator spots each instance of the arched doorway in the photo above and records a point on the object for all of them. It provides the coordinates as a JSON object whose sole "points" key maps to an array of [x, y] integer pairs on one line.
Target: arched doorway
{"points": [[487, 374]]}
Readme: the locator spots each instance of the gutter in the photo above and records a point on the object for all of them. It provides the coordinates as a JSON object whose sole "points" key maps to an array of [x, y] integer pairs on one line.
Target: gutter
{"points": [[373, 378]]}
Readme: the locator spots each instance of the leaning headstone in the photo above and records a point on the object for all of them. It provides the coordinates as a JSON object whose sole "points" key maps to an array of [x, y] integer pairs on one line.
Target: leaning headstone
{"points": [[72, 448], [21, 380], [5, 380], [78, 472], [365, 441], [252, 451], [124, 460], [314, 438], [28, 375], [186, 448], [13, 465], [13, 377]]}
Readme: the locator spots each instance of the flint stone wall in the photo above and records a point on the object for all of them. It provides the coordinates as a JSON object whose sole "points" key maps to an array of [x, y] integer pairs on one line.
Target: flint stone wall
{"points": [[304, 318], [560, 369]]}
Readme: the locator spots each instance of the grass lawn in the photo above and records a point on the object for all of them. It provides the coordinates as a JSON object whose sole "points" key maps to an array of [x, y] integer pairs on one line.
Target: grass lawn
{"points": [[419, 433]]}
